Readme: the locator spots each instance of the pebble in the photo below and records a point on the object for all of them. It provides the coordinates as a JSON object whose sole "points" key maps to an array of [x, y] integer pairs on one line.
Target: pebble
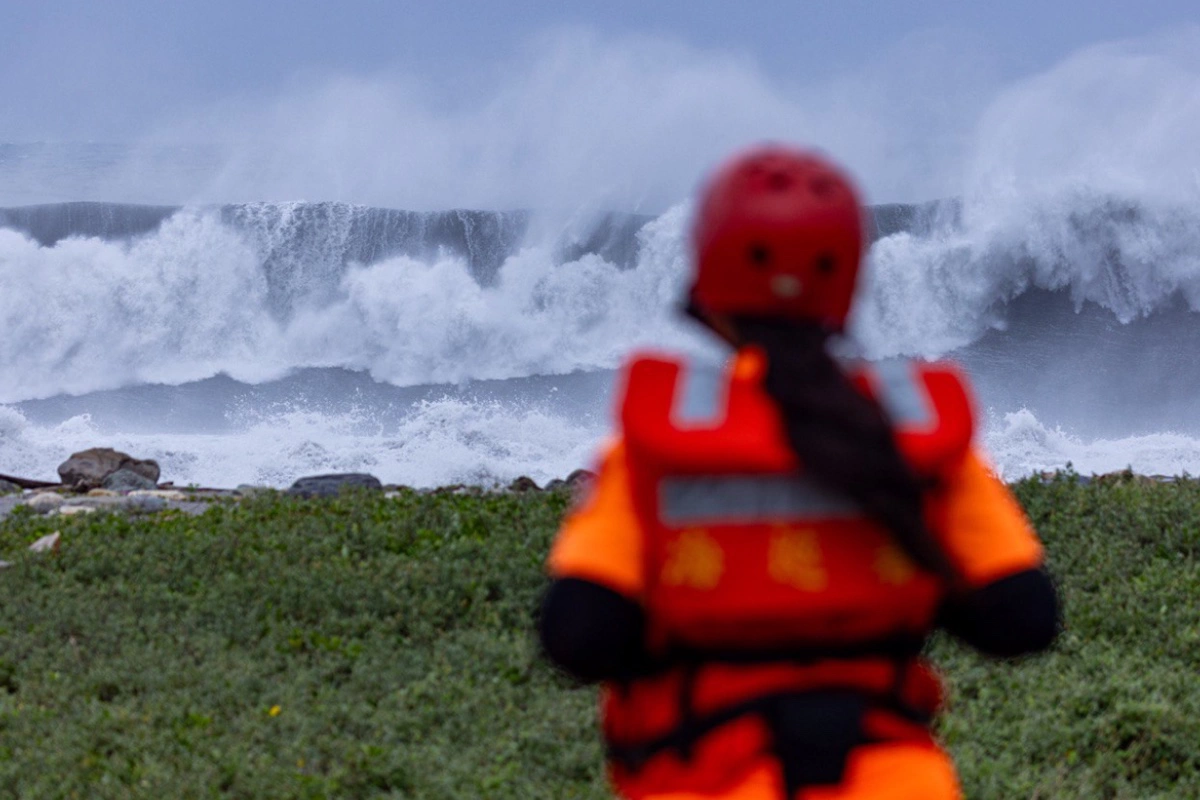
{"points": [[73, 510], [166, 494], [103, 493], [47, 544]]}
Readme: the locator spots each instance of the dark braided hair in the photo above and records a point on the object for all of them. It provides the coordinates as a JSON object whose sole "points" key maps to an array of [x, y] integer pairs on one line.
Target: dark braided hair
{"points": [[843, 439]]}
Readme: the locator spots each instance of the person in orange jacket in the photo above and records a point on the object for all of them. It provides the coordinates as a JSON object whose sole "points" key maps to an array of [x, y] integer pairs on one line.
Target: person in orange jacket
{"points": [[754, 574]]}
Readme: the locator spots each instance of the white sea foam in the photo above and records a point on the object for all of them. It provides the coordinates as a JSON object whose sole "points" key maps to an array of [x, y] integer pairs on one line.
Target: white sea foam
{"points": [[86, 314], [455, 441], [191, 300], [441, 442], [1085, 180], [1109, 218], [408, 322], [1021, 445]]}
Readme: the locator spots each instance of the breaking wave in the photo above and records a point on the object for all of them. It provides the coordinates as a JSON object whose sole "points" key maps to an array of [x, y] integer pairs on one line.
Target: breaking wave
{"points": [[1065, 274]]}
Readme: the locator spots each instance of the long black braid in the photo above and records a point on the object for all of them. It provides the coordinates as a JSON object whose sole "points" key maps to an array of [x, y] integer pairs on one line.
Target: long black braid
{"points": [[843, 439]]}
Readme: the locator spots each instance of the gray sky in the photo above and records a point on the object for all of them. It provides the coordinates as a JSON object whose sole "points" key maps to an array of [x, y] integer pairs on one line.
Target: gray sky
{"points": [[86, 69], [421, 72]]}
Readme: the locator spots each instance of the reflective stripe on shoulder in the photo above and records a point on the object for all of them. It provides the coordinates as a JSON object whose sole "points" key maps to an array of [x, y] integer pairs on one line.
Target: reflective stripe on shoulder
{"points": [[748, 498], [902, 393], [699, 396]]}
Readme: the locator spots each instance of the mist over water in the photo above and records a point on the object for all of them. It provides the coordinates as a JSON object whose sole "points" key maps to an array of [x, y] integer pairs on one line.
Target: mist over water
{"points": [[257, 341]]}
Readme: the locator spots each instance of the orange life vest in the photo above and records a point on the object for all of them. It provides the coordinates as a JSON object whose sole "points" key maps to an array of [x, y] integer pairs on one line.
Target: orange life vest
{"points": [[765, 591]]}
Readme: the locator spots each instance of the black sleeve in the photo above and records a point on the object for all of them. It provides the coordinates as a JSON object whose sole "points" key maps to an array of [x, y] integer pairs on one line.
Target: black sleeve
{"points": [[1014, 616], [592, 632]]}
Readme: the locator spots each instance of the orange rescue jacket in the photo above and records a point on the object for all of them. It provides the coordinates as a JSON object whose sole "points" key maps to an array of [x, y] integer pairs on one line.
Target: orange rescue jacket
{"points": [[762, 590]]}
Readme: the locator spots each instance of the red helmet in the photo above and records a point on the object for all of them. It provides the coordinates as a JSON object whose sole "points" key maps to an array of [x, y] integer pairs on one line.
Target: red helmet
{"points": [[779, 233]]}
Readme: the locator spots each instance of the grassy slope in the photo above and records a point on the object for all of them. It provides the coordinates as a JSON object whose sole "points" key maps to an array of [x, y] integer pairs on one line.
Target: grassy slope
{"points": [[394, 637]]}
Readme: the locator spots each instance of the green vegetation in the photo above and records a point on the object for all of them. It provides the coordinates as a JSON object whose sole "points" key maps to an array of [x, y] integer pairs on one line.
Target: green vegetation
{"points": [[1114, 711], [367, 647]]}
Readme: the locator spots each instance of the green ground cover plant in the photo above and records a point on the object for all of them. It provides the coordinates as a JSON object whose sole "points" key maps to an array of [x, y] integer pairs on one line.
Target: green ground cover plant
{"points": [[374, 647]]}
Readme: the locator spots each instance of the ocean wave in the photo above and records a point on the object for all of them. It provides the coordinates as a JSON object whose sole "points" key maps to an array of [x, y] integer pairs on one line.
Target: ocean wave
{"points": [[1082, 181], [254, 291], [197, 297]]}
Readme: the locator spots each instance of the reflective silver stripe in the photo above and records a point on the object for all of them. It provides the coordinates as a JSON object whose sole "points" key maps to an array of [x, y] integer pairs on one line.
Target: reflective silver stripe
{"points": [[903, 394], [699, 396], [748, 498]]}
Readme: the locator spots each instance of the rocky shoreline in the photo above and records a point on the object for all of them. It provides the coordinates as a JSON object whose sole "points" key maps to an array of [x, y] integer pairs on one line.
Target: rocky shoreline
{"points": [[102, 479]]}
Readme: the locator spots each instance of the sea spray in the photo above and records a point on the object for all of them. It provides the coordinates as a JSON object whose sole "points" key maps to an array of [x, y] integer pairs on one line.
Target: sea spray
{"points": [[1062, 270], [434, 443]]}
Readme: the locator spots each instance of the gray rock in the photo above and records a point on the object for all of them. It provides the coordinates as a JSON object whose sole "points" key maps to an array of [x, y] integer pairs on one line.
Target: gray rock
{"points": [[92, 501], [580, 483], [126, 480], [45, 502], [10, 502], [145, 503], [524, 484], [88, 468], [9, 488], [331, 485], [580, 476]]}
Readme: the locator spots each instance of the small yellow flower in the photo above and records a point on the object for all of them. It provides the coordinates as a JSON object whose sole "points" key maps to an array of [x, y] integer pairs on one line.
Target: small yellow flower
{"points": [[694, 560], [274, 712], [794, 558]]}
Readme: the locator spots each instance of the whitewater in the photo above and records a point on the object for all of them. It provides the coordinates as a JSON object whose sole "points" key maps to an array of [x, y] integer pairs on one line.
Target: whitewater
{"points": [[255, 342]]}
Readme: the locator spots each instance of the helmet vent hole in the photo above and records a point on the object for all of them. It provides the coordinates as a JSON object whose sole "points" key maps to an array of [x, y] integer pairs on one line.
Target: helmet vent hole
{"points": [[760, 255], [821, 187], [779, 181], [826, 264]]}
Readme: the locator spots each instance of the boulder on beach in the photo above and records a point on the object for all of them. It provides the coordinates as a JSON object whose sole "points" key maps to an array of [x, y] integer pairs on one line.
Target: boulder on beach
{"points": [[8, 488], [89, 469], [331, 485]]}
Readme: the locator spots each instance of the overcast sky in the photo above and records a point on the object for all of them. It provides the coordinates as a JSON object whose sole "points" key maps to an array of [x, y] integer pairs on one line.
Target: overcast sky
{"points": [[80, 69], [125, 70]]}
